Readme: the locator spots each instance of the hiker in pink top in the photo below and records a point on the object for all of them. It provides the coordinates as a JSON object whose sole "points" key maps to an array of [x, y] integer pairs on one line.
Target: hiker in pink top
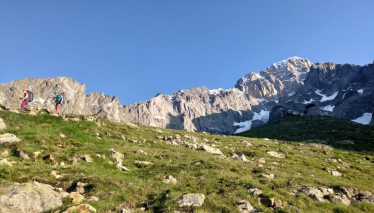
{"points": [[25, 100]]}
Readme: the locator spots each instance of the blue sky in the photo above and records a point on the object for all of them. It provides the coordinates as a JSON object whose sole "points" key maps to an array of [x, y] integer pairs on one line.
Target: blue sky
{"points": [[135, 49]]}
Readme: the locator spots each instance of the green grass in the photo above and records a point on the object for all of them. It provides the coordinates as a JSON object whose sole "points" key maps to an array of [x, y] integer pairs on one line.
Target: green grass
{"points": [[326, 128], [223, 181]]}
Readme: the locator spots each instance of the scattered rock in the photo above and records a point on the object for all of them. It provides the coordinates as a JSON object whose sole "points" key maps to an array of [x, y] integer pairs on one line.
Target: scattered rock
{"points": [[170, 179], [5, 153], [93, 198], [333, 172], [51, 159], [78, 199], [196, 199], [268, 175], [246, 143], [29, 197], [316, 193], [8, 138], [275, 154], [246, 207], [54, 174], [141, 152], [2, 124], [5, 162], [241, 158], [23, 155], [340, 199], [83, 208], [211, 150], [87, 158], [321, 146], [80, 187], [120, 166], [63, 136], [254, 191], [143, 162]]}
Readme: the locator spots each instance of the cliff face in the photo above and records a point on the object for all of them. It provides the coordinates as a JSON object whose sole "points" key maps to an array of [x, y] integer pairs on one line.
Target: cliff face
{"points": [[76, 100], [295, 86], [345, 91], [245, 106]]}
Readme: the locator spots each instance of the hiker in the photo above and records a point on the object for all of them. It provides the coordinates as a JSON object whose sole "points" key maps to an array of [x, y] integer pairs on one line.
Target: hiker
{"points": [[25, 99], [59, 101]]}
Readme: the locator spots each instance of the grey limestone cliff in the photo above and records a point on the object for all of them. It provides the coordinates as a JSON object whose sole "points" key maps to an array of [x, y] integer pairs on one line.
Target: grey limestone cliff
{"points": [[290, 87]]}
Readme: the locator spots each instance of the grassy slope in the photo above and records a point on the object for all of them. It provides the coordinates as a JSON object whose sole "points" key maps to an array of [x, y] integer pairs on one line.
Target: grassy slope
{"points": [[330, 129], [223, 181]]}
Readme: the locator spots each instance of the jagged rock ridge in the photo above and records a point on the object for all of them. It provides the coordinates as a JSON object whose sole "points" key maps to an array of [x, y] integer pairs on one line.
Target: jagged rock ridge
{"points": [[295, 86]]}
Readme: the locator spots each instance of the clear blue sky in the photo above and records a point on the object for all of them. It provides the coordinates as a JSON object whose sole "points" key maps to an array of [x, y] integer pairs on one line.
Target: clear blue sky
{"points": [[137, 48]]}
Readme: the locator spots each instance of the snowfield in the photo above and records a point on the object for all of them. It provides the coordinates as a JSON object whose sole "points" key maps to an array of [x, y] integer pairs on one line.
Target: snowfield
{"points": [[246, 125], [329, 108], [308, 102], [324, 97], [364, 119]]}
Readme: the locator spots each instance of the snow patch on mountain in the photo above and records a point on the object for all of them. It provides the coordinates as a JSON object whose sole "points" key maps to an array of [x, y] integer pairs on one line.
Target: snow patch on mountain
{"points": [[246, 125], [361, 91], [325, 97], [364, 119], [308, 102], [329, 108]]}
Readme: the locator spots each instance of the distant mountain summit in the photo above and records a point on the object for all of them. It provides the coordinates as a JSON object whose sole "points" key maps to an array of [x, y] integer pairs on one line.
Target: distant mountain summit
{"points": [[291, 86]]}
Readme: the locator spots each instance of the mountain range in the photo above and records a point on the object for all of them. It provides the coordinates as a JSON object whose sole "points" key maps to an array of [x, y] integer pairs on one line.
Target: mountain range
{"points": [[294, 86]]}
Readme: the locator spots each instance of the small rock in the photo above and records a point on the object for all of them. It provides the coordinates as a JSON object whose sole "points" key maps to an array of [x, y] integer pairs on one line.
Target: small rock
{"points": [[211, 150], [261, 160], [5, 162], [80, 187], [196, 199], [246, 207], [8, 138], [23, 155], [63, 136], [254, 191], [141, 152], [275, 154], [143, 162], [241, 158], [5, 153], [2, 124], [333, 172], [54, 174], [268, 175], [83, 208], [93, 198], [87, 158], [170, 179]]}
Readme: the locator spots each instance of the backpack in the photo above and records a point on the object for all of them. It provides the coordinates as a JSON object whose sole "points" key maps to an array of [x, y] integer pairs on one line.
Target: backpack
{"points": [[31, 96], [59, 97]]}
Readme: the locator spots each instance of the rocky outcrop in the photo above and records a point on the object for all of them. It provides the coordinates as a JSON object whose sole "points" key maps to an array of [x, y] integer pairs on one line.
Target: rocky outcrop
{"points": [[77, 101], [8, 138], [2, 124], [196, 199], [290, 87], [28, 198], [339, 90], [372, 118]]}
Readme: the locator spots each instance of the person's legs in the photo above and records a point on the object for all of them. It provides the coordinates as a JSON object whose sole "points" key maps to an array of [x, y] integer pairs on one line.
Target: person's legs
{"points": [[58, 108], [23, 106]]}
